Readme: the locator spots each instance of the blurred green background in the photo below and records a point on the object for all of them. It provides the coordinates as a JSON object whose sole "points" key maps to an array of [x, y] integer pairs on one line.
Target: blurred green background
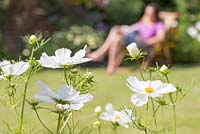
{"points": [[74, 23]]}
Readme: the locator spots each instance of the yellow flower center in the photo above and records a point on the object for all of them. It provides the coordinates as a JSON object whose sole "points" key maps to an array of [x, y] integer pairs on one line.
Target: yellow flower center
{"points": [[149, 90], [117, 118]]}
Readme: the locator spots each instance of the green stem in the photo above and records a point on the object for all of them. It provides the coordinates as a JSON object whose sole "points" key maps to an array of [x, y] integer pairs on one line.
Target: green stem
{"points": [[167, 78], [99, 130], [23, 103], [58, 124], [114, 130], [174, 106], [42, 122], [140, 71], [68, 126], [73, 127], [145, 130], [147, 113], [99, 127], [65, 76], [150, 75], [15, 108], [65, 123], [174, 111], [154, 111], [17, 115], [25, 91]]}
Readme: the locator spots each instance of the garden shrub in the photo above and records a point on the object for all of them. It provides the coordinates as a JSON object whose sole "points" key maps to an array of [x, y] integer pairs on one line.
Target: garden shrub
{"points": [[74, 38], [124, 11], [187, 51]]}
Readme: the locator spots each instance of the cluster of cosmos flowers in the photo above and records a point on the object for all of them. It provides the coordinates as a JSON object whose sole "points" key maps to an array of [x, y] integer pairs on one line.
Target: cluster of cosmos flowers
{"points": [[68, 99]]}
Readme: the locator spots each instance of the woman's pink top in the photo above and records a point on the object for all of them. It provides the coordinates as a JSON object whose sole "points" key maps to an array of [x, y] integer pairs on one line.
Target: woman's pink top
{"points": [[148, 31]]}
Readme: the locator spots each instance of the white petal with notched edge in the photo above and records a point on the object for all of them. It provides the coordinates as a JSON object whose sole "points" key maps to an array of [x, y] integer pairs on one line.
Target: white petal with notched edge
{"points": [[121, 117], [70, 98], [145, 89], [14, 69], [63, 58]]}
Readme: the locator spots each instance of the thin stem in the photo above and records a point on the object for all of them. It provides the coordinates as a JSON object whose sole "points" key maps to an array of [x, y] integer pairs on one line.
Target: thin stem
{"points": [[174, 111], [42, 122], [114, 129], [15, 108], [32, 53], [174, 106], [145, 130], [17, 115], [154, 111], [58, 124], [73, 127], [70, 131], [25, 91], [147, 115], [150, 75], [23, 102], [140, 71], [167, 78], [99, 130], [99, 126], [65, 123]]}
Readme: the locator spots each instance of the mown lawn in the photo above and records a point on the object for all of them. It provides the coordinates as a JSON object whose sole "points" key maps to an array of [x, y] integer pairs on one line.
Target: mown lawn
{"points": [[112, 89]]}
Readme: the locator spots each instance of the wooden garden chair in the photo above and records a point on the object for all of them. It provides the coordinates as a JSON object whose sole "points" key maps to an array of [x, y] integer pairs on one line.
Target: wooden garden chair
{"points": [[163, 49]]}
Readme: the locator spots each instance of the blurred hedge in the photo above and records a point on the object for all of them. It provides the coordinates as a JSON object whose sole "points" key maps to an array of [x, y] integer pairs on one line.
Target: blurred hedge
{"points": [[187, 49], [124, 11], [74, 38]]}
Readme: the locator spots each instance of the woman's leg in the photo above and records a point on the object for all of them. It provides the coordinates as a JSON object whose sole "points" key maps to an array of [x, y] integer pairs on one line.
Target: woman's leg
{"points": [[114, 55], [119, 59], [100, 54]]}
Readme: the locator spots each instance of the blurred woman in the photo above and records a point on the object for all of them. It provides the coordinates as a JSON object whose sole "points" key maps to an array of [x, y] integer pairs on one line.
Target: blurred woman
{"points": [[147, 32]]}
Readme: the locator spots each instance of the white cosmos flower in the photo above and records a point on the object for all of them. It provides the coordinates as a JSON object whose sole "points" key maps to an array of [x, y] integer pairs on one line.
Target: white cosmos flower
{"points": [[145, 89], [69, 98], [197, 25], [133, 50], [192, 31], [4, 63], [15, 69], [198, 38], [63, 58], [121, 118]]}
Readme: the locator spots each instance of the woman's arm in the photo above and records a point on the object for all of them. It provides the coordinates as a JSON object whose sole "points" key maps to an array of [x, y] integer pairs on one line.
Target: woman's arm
{"points": [[158, 38], [128, 28]]}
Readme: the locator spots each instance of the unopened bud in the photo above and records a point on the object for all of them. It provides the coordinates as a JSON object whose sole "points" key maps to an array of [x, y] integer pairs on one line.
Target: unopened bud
{"points": [[97, 110], [164, 70], [33, 39], [60, 108], [97, 124]]}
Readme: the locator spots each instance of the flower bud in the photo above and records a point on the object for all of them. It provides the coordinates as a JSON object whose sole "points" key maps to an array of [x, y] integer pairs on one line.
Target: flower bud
{"points": [[97, 110], [33, 39], [60, 108], [75, 70], [97, 124], [164, 70], [89, 76], [133, 50]]}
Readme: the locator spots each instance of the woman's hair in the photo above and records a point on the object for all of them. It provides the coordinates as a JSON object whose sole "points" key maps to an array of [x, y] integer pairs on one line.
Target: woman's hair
{"points": [[156, 11]]}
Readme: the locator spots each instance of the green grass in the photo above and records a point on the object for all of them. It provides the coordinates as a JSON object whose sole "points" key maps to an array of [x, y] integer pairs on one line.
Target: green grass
{"points": [[112, 89]]}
